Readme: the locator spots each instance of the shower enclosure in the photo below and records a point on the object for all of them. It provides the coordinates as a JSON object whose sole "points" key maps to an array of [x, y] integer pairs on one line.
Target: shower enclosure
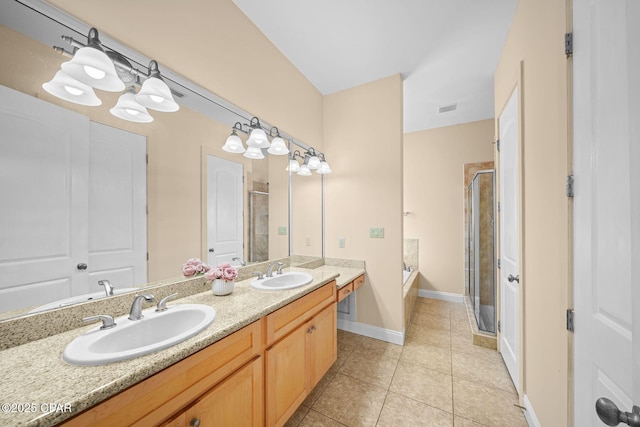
{"points": [[481, 268], [258, 226]]}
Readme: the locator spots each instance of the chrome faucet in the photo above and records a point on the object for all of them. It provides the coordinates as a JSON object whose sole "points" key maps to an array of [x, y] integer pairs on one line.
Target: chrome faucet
{"points": [[242, 263], [108, 288], [270, 268], [162, 305], [136, 307]]}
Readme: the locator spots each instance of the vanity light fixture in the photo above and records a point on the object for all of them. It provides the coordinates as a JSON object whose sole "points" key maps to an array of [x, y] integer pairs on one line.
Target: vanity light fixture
{"points": [[305, 168], [313, 161], [234, 143], [254, 153], [128, 108], [277, 147], [257, 137], [155, 93], [94, 66], [324, 166], [65, 87], [91, 65]]}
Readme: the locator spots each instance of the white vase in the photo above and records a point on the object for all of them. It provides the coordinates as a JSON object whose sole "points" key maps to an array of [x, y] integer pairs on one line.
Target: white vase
{"points": [[222, 287]]}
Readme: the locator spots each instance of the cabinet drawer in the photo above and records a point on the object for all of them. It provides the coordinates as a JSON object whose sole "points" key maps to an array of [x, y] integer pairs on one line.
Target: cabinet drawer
{"points": [[359, 281], [281, 322], [165, 393], [345, 291]]}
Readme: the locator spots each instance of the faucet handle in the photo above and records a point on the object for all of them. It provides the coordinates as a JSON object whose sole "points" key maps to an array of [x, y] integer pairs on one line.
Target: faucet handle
{"points": [[280, 266], [108, 287], [259, 274], [107, 321], [162, 305]]}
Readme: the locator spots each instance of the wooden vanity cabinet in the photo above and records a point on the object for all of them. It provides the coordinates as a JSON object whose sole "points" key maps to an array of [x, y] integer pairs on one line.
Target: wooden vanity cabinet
{"points": [[350, 287], [218, 381], [237, 401], [301, 347]]}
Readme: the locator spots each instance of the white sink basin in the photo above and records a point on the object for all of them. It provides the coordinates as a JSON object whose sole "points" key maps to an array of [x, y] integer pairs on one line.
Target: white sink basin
{"points": [[129, 339], [289, 280], [78, 299]]}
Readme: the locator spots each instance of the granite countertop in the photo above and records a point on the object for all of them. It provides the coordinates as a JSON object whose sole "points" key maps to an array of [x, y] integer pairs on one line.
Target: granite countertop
{"points": [[38, 389]]}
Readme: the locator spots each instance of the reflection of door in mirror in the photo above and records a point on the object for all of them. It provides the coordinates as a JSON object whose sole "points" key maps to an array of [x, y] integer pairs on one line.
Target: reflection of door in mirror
{"points": [[224, 211], [73, 204]]}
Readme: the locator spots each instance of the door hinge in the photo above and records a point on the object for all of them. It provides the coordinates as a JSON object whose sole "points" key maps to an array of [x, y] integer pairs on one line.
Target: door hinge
{"points": [[499, 263], [498, 207], [570, 325], [147, 256], [147, 158], [498, 145], [499, 326], [569, 186], [568, 44]]}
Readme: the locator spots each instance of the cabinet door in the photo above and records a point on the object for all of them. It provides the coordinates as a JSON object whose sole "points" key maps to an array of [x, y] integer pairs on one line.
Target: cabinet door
{"points": [[321, 343], [286, 380], [237, 401]]}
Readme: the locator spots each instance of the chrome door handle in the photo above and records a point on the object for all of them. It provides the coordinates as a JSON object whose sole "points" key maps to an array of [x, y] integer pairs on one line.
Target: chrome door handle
{"points": [[612, 416], [513, 278], [81, 266]]}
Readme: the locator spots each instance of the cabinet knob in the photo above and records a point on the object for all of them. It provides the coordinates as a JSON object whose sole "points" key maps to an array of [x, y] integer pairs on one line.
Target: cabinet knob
{"points": [[195, 422]]}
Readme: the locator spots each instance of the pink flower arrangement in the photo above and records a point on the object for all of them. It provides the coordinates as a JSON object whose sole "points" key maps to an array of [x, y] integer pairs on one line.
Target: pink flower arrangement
{"points": [[224, 271], [194, 266]]}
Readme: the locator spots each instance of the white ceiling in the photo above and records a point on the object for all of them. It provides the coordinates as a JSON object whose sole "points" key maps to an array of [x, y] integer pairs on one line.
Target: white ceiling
{"points": [[446, 50]]}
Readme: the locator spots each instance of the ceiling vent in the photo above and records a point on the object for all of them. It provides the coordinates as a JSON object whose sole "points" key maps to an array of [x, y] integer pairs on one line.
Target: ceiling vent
{"points": [[447, 108]]}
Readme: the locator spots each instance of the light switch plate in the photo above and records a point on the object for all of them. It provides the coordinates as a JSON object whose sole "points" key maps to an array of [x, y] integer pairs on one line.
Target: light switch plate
{"points": [[282, 231], [376, 233], [341, 242]]}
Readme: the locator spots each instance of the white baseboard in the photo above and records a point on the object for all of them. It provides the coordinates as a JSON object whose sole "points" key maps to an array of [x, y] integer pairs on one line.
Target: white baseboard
{"points": [[445, 296], [370, 331], [530, 414]]}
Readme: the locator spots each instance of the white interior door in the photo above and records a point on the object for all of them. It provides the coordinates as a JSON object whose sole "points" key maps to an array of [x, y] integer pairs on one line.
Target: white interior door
{"points": [[43, 200], [509, 237], [606, 205], [224, 210], [117, 208]]}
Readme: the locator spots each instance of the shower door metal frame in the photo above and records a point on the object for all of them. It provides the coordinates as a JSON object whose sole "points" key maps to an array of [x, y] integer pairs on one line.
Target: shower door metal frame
{"points": [[471, 229]]}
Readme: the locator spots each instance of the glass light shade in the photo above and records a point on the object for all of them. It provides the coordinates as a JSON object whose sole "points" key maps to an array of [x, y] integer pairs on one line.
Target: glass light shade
{"points": [[93, 67], [278, 147], [65, 87], [155, 94], [128, 109], [254, 153], [234, 144], [314, 162], [294, 166], [304, 171], [324, 168], [258, 139]]}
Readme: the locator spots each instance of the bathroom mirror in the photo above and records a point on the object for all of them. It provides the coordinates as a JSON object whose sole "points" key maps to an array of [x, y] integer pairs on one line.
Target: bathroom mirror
{"points": [[175, 145]]}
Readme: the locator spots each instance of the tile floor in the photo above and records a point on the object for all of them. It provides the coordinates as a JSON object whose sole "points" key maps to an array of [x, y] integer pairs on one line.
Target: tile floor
{"points": [[438, 378]]}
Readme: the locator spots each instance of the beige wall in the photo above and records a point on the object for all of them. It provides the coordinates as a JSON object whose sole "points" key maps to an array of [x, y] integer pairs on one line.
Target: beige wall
{"points": [[433, 193], [175, 143], [363, 139], [535, 39]]}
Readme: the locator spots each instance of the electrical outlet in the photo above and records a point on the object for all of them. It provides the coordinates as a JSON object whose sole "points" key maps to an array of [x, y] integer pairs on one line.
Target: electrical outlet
{"points": [[282, 231], [376, 233], [307, 241], [341, 242]]}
